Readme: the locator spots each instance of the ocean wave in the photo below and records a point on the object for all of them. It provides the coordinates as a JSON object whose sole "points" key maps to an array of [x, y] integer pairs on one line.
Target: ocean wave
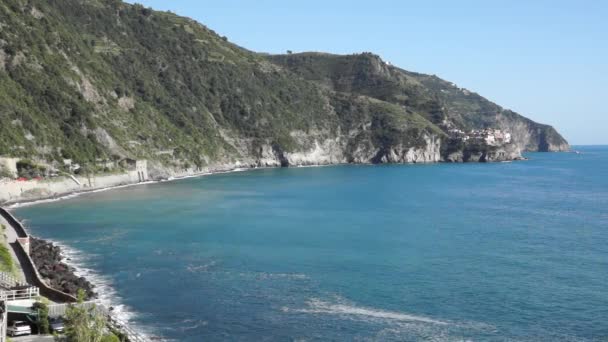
{"points": [[211, 266], [267, 275], [201, 268], [191, 324], [42, 201], [317, 306], [112, 236], [107, 295]]}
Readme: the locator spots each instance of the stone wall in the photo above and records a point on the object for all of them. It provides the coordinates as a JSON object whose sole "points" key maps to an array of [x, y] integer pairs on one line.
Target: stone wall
{"points": [[22, 252], [16, 191]]}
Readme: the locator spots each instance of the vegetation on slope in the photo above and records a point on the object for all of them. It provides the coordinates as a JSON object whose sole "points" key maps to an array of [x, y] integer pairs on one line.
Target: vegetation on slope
{"points": [[101, 79], [86, 79], [436, 100], [6, 260]]}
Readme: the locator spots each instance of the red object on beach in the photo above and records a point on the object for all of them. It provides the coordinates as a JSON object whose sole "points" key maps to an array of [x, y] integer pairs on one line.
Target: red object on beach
{"points": [[21, 179]]}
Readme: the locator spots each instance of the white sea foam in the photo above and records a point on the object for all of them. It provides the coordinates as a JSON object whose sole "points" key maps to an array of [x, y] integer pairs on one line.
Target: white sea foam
{"points": [[47, 200], [317, 306], [291, 276], [271, 276], [107, 295], [191, 324], [201, 268]]}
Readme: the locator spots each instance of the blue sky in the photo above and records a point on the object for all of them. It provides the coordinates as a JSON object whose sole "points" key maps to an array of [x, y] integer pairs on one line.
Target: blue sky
{"points": [[547, 60]]}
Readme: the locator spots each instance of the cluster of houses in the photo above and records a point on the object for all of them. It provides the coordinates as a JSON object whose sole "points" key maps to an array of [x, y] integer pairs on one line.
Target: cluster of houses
{"points": [[490, 136]]}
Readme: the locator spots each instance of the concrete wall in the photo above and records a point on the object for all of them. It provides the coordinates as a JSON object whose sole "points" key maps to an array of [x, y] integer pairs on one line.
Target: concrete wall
{"points": [[17, 226], [33, 277], [15, 191]]}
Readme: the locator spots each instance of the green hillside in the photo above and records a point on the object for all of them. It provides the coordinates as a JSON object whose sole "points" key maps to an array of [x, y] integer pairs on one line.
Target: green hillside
{"points": [[94, 80]]}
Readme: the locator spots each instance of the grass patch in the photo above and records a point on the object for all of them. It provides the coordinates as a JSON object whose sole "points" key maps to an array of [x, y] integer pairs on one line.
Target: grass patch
{"points": [[6, 260]]}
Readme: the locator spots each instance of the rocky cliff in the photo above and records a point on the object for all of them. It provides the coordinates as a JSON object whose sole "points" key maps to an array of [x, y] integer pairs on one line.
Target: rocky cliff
{"points": [[101, 80]]}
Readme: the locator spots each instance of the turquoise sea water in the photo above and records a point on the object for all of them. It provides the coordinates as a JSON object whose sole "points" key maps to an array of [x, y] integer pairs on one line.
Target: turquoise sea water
{"points": [[483, 252]]}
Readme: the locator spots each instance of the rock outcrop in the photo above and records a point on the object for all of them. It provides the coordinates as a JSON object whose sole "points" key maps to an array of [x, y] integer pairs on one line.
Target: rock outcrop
{"points": [[58, 275]]}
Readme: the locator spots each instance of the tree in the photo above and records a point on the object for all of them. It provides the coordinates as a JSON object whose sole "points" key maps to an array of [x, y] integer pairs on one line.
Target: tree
{"points": [[86, 323], [42, 308]]}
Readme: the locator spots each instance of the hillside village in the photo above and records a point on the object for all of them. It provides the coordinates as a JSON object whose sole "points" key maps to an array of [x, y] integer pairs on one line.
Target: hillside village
{"points": [[490, 136]]}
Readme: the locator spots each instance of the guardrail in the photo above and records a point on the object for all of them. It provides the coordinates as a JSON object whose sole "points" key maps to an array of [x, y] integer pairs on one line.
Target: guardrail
{"points": [[33, 277], [19, 229], [31, 292], [56, 310], [8, 282]]}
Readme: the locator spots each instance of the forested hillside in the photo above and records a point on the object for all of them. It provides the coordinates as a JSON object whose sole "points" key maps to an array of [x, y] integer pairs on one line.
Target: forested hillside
{"points": [[95, 80]]}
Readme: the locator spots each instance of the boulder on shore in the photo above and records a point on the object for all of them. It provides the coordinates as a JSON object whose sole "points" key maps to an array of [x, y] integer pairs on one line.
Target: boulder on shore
{"points": [[58, 275]]}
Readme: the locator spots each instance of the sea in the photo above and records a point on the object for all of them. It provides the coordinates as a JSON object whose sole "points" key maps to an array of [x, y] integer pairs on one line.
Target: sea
{"points": [[438, 252]]}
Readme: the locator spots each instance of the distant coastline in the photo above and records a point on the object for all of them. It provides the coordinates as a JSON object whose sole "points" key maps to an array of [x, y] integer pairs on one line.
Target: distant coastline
{"points": [[36, 195], [75, 193]]}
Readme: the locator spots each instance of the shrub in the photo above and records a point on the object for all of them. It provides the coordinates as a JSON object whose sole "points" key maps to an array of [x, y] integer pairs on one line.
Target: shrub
{"points": [[86, 324], [42, 309]]}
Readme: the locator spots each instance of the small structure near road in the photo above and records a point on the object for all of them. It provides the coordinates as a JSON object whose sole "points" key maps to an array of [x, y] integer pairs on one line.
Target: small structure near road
{"points": [[8, 166]]}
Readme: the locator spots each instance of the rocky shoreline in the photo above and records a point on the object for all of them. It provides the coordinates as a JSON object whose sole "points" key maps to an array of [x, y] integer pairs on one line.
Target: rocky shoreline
{"points": [[49, 262], [48, 259], [44, 193]]}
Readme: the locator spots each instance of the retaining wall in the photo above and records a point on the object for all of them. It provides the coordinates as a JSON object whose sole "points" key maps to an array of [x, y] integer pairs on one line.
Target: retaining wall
{"points": [[32, 277], [15, 191], [17, 226]]}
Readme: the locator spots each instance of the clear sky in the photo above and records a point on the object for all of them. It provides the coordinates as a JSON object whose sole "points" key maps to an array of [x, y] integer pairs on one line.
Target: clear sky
{"points": [[547, 60]]}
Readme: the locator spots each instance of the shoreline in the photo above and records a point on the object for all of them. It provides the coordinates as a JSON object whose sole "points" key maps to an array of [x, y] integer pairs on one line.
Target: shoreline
{"points": [[72, 194], [105, 294]]}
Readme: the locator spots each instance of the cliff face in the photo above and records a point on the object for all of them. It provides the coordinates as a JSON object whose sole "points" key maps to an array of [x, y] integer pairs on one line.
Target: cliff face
{"points": [[101, 80], [439, 101]]}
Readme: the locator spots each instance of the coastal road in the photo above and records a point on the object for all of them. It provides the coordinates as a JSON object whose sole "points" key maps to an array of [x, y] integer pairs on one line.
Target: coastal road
{"points": [[11, 237], [9, 232], [33, 338]]}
